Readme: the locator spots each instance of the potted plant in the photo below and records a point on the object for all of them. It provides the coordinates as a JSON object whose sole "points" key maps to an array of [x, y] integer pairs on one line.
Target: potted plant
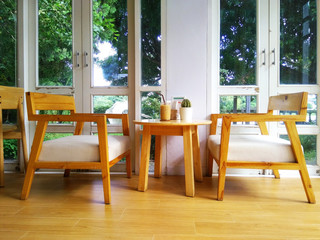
{"points": [[186, 110]]}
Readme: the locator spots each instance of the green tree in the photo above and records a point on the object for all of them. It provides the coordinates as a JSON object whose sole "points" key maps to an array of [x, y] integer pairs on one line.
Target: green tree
{"points": [[237, 42], [55, 37], [298, 42], [8, 20]]}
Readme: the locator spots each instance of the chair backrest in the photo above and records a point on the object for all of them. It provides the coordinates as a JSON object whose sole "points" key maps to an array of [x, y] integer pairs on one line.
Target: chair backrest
{"points": [[289, 102], [42, 101], [11, 97]]}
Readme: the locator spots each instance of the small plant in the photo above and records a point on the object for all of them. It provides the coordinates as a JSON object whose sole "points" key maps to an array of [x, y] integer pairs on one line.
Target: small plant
{"points": [[186, 103]]}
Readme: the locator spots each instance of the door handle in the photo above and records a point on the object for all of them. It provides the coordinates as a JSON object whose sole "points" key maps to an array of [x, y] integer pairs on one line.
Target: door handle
{"points": [[264, 56], [77, 59], [274, 56], [85, 59]]}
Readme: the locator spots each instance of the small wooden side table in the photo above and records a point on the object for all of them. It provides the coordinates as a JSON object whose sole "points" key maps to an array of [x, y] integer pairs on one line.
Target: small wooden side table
{"points": [[191, 145]]}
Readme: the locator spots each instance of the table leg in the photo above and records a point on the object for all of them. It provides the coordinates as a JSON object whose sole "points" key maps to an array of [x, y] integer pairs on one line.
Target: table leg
{"points": [[196, 155], [188, 161], [158, 157], [145, 156]]}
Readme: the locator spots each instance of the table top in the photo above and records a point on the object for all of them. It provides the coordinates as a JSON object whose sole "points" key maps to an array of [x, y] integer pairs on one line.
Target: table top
{"points": [[158, 122]]}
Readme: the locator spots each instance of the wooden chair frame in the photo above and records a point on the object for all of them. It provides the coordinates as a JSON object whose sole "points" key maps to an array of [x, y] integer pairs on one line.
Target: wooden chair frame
{"points": [[40, 101], [286, 102], [12, 98]]}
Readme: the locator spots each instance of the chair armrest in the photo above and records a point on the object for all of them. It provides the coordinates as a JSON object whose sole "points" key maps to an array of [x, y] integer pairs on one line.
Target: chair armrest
{"points": [[76, 117], [263, 117], [252, 117], [84, 117]]}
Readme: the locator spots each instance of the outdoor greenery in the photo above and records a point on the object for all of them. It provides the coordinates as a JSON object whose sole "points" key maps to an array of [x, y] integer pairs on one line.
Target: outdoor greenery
{"points": [[298, 45], [8, 19], [298, 42], [237, 42]]}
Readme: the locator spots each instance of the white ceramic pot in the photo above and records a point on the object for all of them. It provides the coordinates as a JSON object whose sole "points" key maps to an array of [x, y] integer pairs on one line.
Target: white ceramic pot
{"points": [[186, 114]]}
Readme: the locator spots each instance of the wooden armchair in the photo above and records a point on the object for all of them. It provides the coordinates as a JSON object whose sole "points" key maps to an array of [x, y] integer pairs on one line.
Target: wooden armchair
{"points": [[261, 151], [77, 151], [12, 98]]}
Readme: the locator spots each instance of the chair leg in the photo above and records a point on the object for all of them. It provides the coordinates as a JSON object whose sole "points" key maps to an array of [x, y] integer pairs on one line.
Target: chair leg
{"points": [[128, 166], [276, 174], [27, 182], [221, 182], [25, 152], [106, 185], [1, 162], [297, 150], [307, 185], [209, 165], [67, 172]]}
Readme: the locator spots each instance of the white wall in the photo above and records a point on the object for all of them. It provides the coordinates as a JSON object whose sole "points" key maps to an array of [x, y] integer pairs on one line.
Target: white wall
{"points": [[187, 69]]}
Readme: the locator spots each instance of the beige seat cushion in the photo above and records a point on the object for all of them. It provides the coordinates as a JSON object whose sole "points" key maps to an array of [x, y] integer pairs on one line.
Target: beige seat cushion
{"points": [[82, 148], [258, 148]]}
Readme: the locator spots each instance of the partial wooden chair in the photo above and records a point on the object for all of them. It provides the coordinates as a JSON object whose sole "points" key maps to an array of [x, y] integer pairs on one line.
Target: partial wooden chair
{"points": [[261, 151], [77, 151], [11, 98]]}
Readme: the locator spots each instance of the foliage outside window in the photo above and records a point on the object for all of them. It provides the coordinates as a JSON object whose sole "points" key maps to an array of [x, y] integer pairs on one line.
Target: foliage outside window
{"points": [[298, 42], [151, 42], [8, 42], [8, 65], [238, 104], [110, 42], [55, 42], [150, 105], [309, 143], [237, 42]]}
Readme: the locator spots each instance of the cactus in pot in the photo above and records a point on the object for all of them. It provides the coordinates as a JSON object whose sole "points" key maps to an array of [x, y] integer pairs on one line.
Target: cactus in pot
{"points": [[186, 110], [186, 103]]}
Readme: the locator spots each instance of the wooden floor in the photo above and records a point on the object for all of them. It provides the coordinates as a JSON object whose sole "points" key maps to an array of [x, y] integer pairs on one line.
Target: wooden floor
{"points": [[72, 208]]}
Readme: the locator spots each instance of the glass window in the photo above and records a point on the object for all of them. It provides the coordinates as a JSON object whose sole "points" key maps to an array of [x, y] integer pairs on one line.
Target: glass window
{"points": [[8, 42], [238, 104], [298, 37], [311, 111], [51, 135], [150, 105], [8, 65], [238, 42], [55, 43], [151, 42], [309, 143], [56, 112], [110, 43], [110, 104]]}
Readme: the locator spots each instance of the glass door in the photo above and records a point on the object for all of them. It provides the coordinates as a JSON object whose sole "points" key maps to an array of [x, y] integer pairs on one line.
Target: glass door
{"points": [[268, 48], [83, 51]]}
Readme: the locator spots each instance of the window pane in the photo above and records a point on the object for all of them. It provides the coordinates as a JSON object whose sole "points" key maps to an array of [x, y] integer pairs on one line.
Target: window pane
{"points": [[238, 42], [51, 136], [298, 48], [311, 111], [55, 43], [110, 104], [150, 105], [151, 42], [110, 43], [8, 37], [56, 112], [238, 104], [309, 143], [10, 149]]}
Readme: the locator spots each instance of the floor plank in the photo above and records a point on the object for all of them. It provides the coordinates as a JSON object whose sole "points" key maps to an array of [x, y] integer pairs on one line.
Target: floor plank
{"points": [[72, 208]]}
